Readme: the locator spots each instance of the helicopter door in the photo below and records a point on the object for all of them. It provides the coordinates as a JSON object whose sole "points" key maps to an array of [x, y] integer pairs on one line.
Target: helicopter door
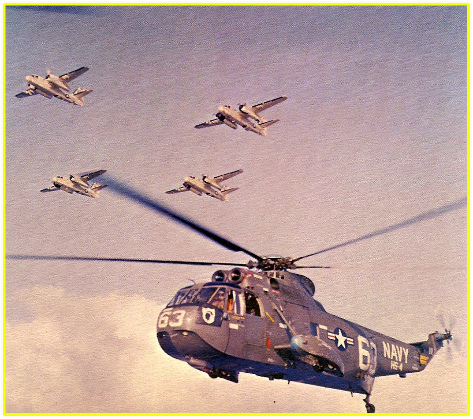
{"points": [[255, 326], [246, 325]]}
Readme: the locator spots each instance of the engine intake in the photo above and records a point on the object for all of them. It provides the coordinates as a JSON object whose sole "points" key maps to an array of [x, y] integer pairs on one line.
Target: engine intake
{"points": [[236, 275], [219, 276]]}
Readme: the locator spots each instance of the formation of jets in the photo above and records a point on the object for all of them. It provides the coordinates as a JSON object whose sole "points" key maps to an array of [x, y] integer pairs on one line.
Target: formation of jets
{"points": [[208, 185], [246, 116], [77, 183], [56, 86]]}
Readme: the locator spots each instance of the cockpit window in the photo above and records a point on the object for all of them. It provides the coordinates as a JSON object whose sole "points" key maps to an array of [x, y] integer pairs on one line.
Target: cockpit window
{"points": [[204, 295], [178, 297], [218, 299], [188, 297], [231, 300]]}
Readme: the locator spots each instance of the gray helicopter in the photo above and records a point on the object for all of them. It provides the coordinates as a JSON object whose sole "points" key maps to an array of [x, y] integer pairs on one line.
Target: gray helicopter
{"points": [[267, 323], [260, 318]]}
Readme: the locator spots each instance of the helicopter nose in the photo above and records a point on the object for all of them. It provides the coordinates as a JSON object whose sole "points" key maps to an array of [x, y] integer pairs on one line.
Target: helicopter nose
{"points": [[184, 345]]}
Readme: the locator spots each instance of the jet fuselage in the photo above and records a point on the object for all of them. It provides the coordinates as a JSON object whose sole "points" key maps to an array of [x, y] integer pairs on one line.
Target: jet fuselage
{"points": [[49, 89], [72, 186], [240, 118], [199, 187]]}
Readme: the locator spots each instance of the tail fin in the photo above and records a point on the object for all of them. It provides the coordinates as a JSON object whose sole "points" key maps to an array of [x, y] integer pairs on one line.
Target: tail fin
{"points": [[81, 92], [225, 193], [431, 346], [97, 186]]}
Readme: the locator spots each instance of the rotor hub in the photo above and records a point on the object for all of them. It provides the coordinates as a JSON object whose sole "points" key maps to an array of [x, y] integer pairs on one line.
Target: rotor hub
{"points": [[272, 264]]}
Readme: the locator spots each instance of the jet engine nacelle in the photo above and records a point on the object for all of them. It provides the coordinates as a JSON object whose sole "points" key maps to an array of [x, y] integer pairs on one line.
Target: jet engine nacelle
{"points": [[222, 118], [247, 110]]}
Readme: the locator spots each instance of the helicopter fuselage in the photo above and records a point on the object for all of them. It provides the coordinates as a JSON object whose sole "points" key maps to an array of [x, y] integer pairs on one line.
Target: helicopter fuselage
{"points": [[269, 324]]}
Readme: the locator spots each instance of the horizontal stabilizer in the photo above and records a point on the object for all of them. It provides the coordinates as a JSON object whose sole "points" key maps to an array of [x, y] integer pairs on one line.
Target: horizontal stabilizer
{"points": [[226, 192], [268, 123], [81, 92], [79, 95], [97, 186]]}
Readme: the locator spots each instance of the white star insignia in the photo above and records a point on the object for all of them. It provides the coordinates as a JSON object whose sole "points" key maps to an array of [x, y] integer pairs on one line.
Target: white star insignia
{"points": [[341, 340]]}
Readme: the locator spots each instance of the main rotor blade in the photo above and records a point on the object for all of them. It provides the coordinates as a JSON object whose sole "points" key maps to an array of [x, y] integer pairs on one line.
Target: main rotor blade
{"points": [[102, 259], [136, 196], [312, 267], [417, 219]]}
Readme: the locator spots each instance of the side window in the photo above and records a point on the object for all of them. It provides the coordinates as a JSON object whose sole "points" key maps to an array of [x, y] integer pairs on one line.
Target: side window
{"points": [[236, 303], [252, 304]]}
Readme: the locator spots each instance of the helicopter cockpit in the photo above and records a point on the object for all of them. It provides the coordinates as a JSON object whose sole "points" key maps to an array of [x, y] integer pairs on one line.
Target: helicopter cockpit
{"points": [[229, 298]]}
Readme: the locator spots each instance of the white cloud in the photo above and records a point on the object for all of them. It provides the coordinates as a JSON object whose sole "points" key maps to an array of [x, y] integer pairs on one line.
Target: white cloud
{"points": [[100, 354]]}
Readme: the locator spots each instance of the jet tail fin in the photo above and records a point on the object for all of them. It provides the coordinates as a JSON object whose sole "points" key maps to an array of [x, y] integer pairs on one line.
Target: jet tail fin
{"points": [[225, 193], [81, 92], [97, 186]]}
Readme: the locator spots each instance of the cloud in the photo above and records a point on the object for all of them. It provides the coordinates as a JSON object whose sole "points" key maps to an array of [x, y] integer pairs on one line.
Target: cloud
{"points": [[99, 353], [83, 354]]}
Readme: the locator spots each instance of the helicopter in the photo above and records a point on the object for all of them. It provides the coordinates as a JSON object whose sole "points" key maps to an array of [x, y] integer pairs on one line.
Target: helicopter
{"points": [[260, 318]]}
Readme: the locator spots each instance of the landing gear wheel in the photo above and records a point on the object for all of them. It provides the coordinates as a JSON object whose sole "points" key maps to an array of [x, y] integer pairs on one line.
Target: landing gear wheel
{"points": [[369, 406]]}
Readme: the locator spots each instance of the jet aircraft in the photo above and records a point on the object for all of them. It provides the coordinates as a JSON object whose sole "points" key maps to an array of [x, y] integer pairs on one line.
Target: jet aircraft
{"points": [[78, 184], [246, 116], [208, 185], [56, 86]]}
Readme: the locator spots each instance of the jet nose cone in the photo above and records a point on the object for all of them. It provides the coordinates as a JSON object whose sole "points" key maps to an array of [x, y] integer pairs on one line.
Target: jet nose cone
{"points": [[28, 78]]}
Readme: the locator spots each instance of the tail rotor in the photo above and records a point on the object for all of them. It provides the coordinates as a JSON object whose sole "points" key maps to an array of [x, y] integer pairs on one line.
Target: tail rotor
{"points": [[448, 321]]}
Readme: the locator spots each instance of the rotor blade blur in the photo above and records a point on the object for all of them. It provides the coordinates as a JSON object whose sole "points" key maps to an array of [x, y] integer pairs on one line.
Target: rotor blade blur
{"points": [[417, 219], [312, 267], [156, 206], [103, 259]]}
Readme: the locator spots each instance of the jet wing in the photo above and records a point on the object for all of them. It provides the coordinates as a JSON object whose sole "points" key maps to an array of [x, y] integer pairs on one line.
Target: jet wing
{"points": [[226, 176], [265, 105], [177, 190], [210, 123], [87, 176], [26, 93], [73, 74], [50, 189]]}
